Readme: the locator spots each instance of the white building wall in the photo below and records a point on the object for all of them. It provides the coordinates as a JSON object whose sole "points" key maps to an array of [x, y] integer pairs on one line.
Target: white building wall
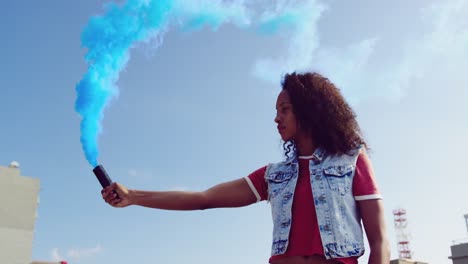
{"points": [[19, 200]]}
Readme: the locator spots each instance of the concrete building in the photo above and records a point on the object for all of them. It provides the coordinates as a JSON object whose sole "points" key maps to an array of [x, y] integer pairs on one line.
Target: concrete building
{"points": [[19, 196], [459, 253], [459, 248]]}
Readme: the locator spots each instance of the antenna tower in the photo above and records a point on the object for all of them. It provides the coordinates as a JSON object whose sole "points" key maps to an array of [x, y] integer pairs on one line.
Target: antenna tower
{"points": [[466, 222], [400, 222]]}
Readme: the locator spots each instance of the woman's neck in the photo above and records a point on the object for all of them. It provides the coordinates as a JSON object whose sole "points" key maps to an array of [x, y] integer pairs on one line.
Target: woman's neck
{"points": [[305, 146]]}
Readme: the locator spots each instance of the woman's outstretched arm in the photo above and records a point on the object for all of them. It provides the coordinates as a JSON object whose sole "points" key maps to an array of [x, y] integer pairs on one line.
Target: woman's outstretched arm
{"points": [[235, 193]]}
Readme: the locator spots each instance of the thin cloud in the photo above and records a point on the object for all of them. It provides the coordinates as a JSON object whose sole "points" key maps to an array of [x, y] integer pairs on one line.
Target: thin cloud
{"points": [[76, 254], [441, 49], [55, 255], [437, 49], [80, 253], [303, 18], [140, 174]]}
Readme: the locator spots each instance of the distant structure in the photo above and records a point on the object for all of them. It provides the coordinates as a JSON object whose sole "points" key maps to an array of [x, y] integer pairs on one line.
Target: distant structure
{"points": [[406, 261], [48, 262], [459, 248], [403, 244], [466, 222], [19, 196], [400, 222]]}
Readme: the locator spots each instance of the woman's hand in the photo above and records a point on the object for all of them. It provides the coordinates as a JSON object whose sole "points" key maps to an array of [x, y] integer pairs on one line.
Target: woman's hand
{"points": [[116, 195]]}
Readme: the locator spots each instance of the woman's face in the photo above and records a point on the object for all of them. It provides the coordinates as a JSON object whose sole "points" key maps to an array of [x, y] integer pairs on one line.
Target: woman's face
{"points": [[285, 118]]}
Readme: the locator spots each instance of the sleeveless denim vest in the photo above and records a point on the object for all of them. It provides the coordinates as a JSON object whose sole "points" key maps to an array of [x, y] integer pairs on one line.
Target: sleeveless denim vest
{"points": [[331, 179]]}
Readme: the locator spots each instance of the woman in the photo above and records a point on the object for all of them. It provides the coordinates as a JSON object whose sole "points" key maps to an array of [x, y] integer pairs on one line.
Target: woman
{"points": [[319, 194]]}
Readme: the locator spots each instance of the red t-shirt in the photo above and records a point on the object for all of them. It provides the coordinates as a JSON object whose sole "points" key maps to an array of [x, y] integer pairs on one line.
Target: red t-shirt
{"points": [[304, 236]]}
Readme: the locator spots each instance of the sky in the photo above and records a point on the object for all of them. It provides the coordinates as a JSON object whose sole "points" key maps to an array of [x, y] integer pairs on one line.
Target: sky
{"points": [[195, 108]]}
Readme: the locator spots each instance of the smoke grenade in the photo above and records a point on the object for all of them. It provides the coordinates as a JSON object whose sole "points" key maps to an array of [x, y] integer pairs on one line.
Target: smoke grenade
{"points": [[102, 176]]}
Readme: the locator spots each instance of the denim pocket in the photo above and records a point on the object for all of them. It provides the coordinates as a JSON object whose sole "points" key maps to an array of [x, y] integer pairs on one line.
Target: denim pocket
{"points": [[277, 181], [339, 178]]}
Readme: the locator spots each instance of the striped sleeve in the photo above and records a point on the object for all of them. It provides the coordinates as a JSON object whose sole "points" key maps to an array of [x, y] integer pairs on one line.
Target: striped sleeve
{"points": [[257, 184], [364, 182]]}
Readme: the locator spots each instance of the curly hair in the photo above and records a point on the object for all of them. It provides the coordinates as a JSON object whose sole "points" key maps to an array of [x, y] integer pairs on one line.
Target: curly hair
{"points": [[322, 111]]}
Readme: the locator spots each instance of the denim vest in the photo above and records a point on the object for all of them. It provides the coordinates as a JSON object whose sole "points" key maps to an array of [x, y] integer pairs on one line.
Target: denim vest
{"points": [[331, 179]]}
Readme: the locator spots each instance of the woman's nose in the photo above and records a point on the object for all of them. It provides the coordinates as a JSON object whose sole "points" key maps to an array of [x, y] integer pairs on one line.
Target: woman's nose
{"points": [[277, 119]]}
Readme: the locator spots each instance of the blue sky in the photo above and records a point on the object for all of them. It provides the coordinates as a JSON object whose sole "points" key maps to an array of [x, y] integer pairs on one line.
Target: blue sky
{"points": [[198, 110]]}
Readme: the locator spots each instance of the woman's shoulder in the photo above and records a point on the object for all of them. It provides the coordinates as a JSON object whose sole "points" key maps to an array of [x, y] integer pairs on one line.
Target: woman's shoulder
{"points": [[351, 156]]}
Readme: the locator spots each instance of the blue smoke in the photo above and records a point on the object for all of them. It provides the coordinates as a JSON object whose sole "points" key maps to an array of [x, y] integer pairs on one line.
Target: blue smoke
{"points": [[109, 38]]}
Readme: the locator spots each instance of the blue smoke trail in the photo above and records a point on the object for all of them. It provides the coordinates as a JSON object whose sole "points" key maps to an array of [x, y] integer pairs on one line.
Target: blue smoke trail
{"points": [[109, 38]]}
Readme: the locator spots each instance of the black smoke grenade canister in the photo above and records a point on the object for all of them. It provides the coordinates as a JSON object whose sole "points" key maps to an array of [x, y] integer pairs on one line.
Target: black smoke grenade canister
{"points": [[102, 176]]}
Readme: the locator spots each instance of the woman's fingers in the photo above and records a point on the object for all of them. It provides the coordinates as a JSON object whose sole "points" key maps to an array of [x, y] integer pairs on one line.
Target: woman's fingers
{"points": [[110, 195], [115, 202]]}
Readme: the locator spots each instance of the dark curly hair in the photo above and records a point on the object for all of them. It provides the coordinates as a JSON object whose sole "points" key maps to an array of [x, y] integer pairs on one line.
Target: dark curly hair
{"points": [[322, 111]]}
